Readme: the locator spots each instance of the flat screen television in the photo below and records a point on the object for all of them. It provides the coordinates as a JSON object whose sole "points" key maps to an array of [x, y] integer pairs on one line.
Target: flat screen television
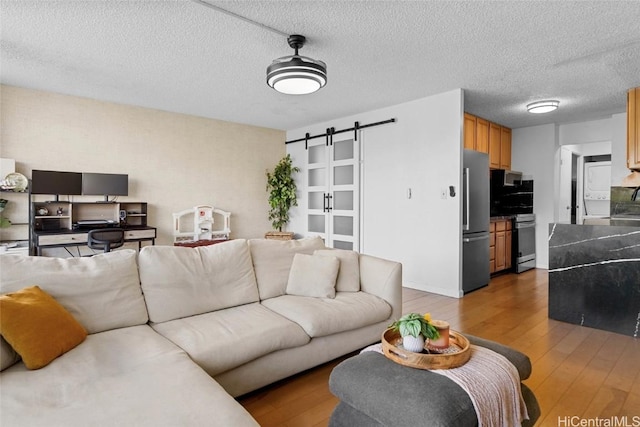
{"points": [[105, 184], [56, 183]]}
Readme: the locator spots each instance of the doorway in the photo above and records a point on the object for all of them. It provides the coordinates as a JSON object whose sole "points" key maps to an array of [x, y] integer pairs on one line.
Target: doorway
{"points": [[574, 187], [571, 206]]}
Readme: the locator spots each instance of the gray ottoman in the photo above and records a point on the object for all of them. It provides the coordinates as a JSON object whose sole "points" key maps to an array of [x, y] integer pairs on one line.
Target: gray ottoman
{"points": [[377, 392]]}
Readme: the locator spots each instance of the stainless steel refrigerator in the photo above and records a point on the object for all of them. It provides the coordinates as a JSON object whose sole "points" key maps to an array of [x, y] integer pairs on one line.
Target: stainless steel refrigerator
{"points": [[475, 220]]}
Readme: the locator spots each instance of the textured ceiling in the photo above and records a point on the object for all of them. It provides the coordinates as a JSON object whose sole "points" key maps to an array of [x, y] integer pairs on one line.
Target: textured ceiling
{"points": [[184, 57]]}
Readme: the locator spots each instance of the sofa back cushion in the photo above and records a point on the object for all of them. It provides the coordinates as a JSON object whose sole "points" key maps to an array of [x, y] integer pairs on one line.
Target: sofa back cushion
{"points": [[272, 261], [102, 292], [180, 281], [349, 274]]}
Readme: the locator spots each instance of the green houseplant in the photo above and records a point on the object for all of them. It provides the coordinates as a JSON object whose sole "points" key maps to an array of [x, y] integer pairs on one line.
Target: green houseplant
{"points": [[4, 222], [282, 193], [414, 328]]}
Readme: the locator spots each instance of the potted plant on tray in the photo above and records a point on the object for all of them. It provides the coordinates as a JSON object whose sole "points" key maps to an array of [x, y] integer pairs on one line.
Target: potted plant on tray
{"points": [[414, 328], [282, 196]]}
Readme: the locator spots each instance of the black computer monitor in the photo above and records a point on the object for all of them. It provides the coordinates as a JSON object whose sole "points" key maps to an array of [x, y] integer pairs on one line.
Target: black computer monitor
{"points": [[105, 184], [56, 183]]}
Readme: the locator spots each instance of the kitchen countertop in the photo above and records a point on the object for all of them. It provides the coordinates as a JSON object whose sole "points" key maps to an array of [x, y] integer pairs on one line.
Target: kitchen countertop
{"points": [[594, 271], [615, 222], [501, 218]]}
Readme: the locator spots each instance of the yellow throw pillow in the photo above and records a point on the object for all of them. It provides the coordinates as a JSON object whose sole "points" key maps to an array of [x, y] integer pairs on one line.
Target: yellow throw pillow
{"points": [[38, 328]]}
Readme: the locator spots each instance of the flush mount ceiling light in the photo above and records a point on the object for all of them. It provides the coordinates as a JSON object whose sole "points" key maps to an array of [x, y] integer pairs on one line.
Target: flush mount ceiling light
{"points": [[296, 75], [542, 106]]}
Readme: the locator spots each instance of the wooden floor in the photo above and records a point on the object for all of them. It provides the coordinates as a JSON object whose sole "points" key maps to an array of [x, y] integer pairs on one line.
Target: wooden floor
{"points": [[577, 371]]}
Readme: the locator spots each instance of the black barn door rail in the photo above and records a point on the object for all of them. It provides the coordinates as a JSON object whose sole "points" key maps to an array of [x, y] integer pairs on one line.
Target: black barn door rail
{"points": [[332, 131]]}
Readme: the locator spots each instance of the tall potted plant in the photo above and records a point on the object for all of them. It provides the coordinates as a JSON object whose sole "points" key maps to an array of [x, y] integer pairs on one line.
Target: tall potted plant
{"points": [[282, 196]]}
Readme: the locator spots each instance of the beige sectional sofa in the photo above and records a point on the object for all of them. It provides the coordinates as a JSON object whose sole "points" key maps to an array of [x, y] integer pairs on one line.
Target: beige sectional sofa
{"points": [[176, 333]]}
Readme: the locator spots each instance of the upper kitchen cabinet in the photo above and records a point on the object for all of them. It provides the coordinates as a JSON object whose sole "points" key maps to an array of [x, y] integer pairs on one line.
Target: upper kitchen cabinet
{"points": [[487, 137], [469, 131], [633, 129], [505, 148], [476, 133], [494, 146], [499, 147], [482, 135]]}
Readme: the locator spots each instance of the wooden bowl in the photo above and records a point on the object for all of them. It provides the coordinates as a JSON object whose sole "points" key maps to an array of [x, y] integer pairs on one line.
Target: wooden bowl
{"points": [[457, 355]]}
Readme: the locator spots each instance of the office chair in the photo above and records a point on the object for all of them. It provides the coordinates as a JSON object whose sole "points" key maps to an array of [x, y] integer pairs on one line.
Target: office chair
{"points": [[105, 239]]}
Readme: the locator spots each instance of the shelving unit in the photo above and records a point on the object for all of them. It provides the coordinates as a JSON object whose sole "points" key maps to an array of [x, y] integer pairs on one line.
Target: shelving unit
{"points": [[15, 238], [60, 223], [63, 215]]}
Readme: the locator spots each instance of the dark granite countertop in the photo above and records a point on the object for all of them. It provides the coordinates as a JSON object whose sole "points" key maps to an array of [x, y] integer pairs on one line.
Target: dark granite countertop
{"points": [[594, 272], [615, 222], [501, 218]]}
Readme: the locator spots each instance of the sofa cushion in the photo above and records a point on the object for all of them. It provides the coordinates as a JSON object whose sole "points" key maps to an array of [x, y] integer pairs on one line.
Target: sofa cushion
{"points": [[102, 292], [224, 339], [180, 282], [123, 377], [272, 261], [37, 327], [349, 273], [8, 356], [313, 276], [320, 317]]}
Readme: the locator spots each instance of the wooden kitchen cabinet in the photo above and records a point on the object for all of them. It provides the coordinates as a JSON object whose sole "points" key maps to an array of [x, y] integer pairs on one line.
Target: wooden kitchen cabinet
{"points": [[476, 133], [499, 147], [492, 249], [505, 148], [500, 245], [633, 129], [469, 131], [501, 249], [482, 135], [494, 145], [487, 137]]}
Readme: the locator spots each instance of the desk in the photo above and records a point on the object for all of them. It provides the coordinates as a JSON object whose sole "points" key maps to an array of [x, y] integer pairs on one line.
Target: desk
{"points": [[65, 237]]}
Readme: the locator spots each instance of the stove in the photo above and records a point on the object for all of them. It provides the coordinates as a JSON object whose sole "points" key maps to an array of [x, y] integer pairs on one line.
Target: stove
{"points": [[524, 242]]}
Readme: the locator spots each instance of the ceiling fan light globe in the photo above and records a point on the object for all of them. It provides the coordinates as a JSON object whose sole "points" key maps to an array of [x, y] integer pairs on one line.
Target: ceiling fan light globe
{"points": [[541, 107]]}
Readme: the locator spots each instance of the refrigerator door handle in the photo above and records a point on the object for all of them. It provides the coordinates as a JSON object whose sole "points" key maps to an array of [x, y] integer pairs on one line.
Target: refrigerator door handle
{"points": [[465, 220], [475, 239]]}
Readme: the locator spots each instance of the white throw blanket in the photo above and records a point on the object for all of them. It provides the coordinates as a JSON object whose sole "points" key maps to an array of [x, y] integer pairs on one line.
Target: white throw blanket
{"points": [[493, 385]]}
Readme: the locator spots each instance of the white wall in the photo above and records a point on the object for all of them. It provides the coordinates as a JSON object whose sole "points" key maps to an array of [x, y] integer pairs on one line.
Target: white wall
{"points": [[533, 152], [536, 152], [585, 132], [421, 151], [604, 135], [174, 161]]}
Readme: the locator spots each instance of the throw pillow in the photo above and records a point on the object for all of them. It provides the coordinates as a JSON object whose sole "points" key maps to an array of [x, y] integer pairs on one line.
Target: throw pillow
{"points": [[38, 328], [313, 276], [349, 274]]}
